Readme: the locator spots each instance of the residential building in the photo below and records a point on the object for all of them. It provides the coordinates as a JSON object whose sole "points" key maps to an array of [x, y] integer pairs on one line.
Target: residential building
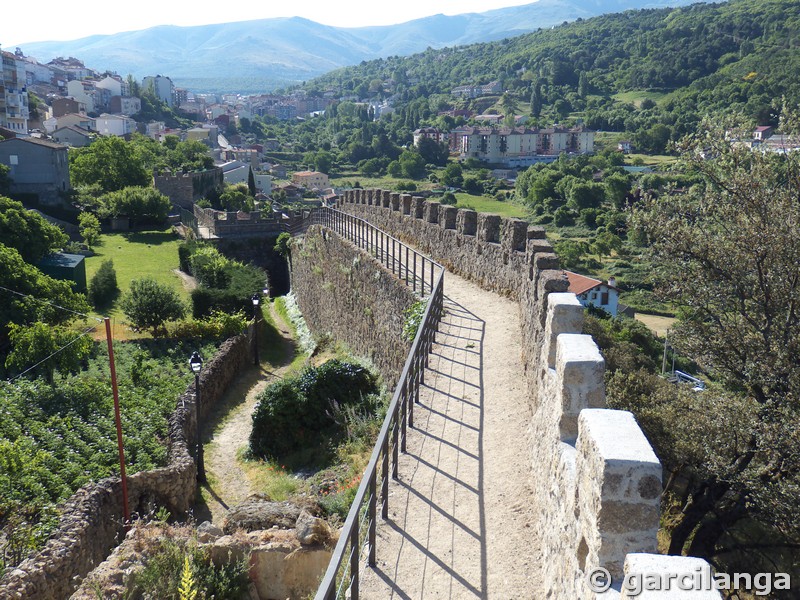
{"points": [[162, 87], [80, 91], [263, 182], [36, 166], [235, 171], [119, 125], [115, 85], [625, 146], [310, 179], [431, 133], [73, 136], [475, 91], [180, 96], [66, 105], [594, 292], [206, 134], [79, 120], [519, 146], [124, 105], [72, 67], [14, 111]]}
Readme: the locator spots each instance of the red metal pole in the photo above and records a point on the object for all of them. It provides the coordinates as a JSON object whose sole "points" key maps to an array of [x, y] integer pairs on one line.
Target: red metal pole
{"points": [[126, 514]]}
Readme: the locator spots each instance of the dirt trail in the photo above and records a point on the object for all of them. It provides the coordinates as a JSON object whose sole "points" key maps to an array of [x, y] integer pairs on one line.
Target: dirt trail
{"points": [[228, 483], [460, 518]]}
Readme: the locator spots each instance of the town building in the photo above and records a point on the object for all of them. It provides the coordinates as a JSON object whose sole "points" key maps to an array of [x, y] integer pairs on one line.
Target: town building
{"points": [[312, 180], [519, 146], [162, 87], [594, 292], [36, 166], [73, 136]]}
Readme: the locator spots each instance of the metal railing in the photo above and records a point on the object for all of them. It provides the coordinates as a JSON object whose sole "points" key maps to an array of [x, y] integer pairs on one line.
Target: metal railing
{"points": [[423, 275]]}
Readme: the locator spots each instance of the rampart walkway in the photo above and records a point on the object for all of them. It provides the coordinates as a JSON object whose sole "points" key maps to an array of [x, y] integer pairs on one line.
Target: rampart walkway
{"points": [[449, 534]]}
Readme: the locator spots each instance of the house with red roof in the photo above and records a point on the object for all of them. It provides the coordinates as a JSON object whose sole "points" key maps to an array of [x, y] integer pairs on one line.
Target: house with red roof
{"points": [[595, 292]]}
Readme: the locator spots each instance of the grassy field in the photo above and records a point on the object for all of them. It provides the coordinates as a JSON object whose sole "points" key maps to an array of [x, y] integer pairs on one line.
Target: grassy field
{"points": [[347, 178], [651, 160], [636, 96], [135, 255], [490, 205]]}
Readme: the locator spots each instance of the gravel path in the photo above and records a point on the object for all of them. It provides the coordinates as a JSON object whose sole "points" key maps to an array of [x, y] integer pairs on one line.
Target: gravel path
{"points": [[228, 483], [460, 519]]}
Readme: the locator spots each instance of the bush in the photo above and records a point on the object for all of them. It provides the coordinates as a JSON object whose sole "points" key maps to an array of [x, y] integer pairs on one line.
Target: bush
{"points": [[103, 287], [219, 325], [150, 304], [294, 412]]}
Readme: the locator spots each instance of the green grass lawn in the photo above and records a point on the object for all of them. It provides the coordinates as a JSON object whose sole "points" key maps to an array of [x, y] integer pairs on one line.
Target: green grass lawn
{"points": [[490, 205], [383, 183], [651, 160], [636, 96], [139, 254]]}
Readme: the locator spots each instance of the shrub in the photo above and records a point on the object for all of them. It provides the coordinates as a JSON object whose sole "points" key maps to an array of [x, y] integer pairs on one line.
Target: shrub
{"points": [[294, 412], [103, 287], [220, 325], [150, 304], [449, 198], [89, 228]]}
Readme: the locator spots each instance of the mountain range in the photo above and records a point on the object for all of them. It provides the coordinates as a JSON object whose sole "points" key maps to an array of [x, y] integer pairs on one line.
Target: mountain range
{"points": [[265, 54]]}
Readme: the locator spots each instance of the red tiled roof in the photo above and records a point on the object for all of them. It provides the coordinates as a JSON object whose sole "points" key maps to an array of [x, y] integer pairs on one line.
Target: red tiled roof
{"points": [[578, 284]]}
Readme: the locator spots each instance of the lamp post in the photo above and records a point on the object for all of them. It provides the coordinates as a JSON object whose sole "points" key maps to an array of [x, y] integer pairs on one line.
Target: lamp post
{"points": [[256, 302], [196, 363]]}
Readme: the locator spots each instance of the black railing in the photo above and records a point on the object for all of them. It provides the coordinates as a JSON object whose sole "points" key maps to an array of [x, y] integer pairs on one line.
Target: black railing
{"points": [[423, 275]]}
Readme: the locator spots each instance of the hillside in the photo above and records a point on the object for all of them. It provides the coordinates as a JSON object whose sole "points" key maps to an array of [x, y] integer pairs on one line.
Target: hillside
{"points": [[261, 55], [623, 72]]}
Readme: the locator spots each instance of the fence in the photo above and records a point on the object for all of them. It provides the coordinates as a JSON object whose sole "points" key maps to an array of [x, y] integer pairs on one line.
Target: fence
{"points": [[423, 275]]}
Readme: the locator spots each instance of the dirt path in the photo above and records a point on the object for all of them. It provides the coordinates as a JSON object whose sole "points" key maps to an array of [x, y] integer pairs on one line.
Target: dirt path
{"points": [[228, 483], [460, 517]]}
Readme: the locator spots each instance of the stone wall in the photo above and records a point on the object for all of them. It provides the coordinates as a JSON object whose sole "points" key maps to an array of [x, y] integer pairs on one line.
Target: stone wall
{"points": [[346, 293], [597, 480], [183, 189], [91, 520]]}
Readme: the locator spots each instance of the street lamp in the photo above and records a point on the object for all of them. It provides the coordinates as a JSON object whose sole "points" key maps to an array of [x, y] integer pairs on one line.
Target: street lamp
{"points": [[256, 302], [196, 363]]}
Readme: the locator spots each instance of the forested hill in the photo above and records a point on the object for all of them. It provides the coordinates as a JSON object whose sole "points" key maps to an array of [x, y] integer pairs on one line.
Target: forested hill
{"points": [[742, 54]]}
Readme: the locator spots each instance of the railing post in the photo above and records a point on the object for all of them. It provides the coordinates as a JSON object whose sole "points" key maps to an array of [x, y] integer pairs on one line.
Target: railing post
{"points": [[355, 563], [385, 480], [431, 277], [410, 393], [414, 275], [395, 434], [406, 267], [373, 517], [403, 417]]}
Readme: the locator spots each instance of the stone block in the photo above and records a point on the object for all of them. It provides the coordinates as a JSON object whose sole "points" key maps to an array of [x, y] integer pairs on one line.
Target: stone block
{"points": [[395, 201], [405, 200], [488, 228], [643, 570], [447, 216], [431, 214], [579, 373], [619, 484], [564, 315], [418, 207], [467, 221], [515, 234]]}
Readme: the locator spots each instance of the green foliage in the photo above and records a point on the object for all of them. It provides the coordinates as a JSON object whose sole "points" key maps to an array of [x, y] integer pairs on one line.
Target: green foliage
{"points": [[17, 275], [178, 569], [149, 304], [89, 228], [110, 162], [140, 204], [103, 288], [218, 325], [27, 231], [296, 411], [283, 244], [413, 319], [51, 347], [236, 198]]}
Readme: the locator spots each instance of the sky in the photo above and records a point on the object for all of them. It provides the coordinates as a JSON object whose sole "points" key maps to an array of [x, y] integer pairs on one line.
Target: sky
{"points": [[55, 20]]}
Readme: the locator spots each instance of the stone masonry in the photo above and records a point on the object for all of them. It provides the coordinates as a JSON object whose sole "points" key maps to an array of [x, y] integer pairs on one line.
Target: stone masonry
{"points": [[598, 482], [91, 519]]}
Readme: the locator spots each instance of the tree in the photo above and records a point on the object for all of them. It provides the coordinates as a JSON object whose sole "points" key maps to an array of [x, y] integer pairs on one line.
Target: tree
{"points": [[42, 298], [536, 100], [453, 175], [103, 286], [111, 162], [412, 164], [149, 304], [27, 231], [54, 347], [5, 180], [251, 183], [139, 204], [89, 228], [236, 198], [727, 253], [433, 152]]}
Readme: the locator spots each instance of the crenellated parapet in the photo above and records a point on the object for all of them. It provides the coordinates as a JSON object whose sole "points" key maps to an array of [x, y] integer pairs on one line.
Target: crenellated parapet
{"points": [[597, 479]]}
